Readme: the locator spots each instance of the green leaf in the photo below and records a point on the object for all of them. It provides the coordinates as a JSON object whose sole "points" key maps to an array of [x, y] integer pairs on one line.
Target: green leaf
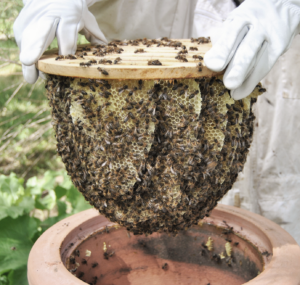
{"points": [[33, 185], [16, 241], [47, 182], [77, 201], [8, 209], [4, 280], [60, 192], [67, 183], [11, 186], [47, 202], [27, 204], [61, 207], [18, 276]]}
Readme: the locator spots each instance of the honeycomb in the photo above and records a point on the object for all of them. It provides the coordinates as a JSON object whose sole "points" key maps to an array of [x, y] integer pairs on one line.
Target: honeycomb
{"points": [[151, 155]]}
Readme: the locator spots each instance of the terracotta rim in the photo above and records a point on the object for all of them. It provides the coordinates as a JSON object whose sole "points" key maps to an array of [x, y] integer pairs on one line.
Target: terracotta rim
{"points": [[45, 263]]}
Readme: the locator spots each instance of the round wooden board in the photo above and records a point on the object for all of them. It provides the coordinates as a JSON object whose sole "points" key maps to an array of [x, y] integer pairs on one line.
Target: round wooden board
{"points": [[133, 65]]}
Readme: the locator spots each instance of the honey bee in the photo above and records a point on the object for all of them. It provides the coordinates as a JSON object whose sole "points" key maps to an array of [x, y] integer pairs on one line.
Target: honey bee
{"points": [[93, 61], [193, 48], [140, 50], [59, 57], [184, 51], [262, 90], [199, 57], [176, 86], [80, 274], [211, 81], [131, 115], [87, 64], [77, 253], [104, 61], [181, 106], [126, 119], [101, 81], [181, 58], [134, 42], [154, 62], [92, 88], [181, 92], [103, 71], [122, 89], [193, 94], [130, 93], [222, 93], [117, 60], [199, 66], [140, 83]]}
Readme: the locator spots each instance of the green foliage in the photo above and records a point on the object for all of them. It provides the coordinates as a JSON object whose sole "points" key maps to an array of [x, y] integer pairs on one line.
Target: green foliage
{"points": [[13, 202], [27, 142], [26, 211], [33, 199]]}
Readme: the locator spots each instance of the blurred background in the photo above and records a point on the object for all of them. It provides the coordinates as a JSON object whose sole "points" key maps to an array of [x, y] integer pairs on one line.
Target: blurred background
{"points": [[35, 191]]}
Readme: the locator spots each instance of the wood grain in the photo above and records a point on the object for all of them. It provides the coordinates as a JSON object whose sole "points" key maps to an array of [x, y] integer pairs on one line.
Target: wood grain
{"points": [[133, 65]]}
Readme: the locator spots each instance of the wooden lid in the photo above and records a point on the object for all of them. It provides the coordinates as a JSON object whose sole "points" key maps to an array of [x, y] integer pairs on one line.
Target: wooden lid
{"points": [[134, 64]]}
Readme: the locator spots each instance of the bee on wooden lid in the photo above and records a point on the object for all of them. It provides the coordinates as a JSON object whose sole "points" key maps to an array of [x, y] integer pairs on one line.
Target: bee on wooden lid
{"points": [[59, 57], [154, 62], [181, 58], [140, 50], [196, 56], [117, 60], [103, 71]]}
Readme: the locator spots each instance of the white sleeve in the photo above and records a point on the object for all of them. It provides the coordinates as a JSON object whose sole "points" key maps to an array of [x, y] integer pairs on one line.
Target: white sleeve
{"points": [[119, 19]]}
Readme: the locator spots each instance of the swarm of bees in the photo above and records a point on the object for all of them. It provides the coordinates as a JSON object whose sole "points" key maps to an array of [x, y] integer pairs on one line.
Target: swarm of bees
{"points": [[153, 155]]}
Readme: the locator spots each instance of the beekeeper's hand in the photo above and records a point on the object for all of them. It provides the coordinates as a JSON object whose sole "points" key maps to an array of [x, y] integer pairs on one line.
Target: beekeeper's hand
{"points": [[41, 20], [251, 40]]}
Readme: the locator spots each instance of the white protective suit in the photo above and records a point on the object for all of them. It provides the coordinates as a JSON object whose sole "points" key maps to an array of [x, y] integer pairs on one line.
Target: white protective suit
{"points": [[270, 182]]}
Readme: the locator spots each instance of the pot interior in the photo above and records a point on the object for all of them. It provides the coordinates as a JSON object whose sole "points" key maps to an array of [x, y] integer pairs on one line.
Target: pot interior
{"points": [[195, 256]]}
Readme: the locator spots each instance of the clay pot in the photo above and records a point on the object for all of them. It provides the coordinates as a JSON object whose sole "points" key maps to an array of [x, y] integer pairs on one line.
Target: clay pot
{"points": [[89, 246]]}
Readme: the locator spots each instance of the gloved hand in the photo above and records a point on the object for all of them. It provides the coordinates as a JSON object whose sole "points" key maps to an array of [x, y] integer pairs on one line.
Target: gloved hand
{"points": [[251, 40], [41, 20]]}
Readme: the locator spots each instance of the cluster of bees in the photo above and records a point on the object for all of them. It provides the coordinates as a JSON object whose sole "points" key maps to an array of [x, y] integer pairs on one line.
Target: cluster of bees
{"points": [[151, 155], [78, 259], [201, 40]]}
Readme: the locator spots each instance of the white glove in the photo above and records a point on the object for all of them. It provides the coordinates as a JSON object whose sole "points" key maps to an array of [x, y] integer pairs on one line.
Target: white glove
{"points": [[41, 20], [251, 40]]}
